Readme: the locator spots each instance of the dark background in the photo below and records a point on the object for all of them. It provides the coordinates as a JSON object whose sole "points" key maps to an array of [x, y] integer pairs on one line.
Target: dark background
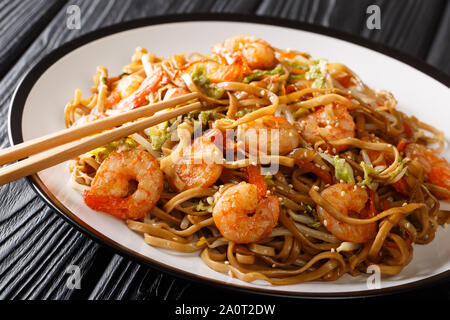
{"points": [[37, 245]]}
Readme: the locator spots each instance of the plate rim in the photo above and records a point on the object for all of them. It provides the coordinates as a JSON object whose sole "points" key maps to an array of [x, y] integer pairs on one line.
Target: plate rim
{"points": [[34, 73]]}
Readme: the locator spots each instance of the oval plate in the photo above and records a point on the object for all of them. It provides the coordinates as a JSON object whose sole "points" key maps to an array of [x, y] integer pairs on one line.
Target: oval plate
{"points": [[38, 108]]}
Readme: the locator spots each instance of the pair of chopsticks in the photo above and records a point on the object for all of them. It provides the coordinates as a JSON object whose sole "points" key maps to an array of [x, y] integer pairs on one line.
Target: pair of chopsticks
{"points": [[52, 149]]}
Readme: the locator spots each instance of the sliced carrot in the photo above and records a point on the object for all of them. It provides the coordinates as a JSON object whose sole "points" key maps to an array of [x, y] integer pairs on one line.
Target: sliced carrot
{"points": [[401, 144], [401, 186]]}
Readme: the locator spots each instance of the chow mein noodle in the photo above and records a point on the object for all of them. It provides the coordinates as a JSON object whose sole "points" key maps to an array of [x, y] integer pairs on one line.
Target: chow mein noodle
{"points": [[293, 169]]}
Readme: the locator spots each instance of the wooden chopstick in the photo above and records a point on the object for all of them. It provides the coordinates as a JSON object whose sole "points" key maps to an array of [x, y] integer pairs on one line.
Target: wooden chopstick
{"points": [[72, 149], [28, 148]]}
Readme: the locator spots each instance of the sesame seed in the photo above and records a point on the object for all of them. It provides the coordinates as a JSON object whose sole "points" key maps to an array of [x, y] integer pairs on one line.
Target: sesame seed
{"points": [[274, 265], [404, 204], [316, 188], [342, 193], [226, 262]]}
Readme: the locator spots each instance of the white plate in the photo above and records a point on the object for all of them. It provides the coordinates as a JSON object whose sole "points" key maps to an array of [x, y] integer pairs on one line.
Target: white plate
{"points": [[38, 109]]}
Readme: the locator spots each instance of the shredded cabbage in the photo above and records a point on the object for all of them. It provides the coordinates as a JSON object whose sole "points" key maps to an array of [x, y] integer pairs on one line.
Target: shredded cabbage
{"points": [[296, 76], [101, 153], [342, 169], [258, 73], [368, 169], [201, 79], [398, 173], [159, 134], [203, 207], [317, 72]]}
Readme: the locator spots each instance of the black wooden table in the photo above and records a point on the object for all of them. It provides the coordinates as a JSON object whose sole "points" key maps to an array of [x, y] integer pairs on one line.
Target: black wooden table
{"points": [[37, 245]]}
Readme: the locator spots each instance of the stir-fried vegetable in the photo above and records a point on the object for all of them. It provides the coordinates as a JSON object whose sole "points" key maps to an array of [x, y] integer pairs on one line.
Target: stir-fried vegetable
{"points": [[317, 73], [101, 153], [342, 169], [201, 79], [159, 134], [258, 73]]}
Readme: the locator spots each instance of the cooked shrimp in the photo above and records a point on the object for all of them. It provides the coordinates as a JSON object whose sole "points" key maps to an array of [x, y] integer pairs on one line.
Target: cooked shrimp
{"points": [[243, 217], [258, 53], [267, 131], [437, 169], [114, 189], [138, 96], [331, 123], [348, 199], [201, 164]]}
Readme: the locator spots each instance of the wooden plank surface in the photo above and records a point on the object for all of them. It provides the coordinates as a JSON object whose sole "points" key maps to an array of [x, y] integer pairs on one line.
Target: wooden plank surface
{"points": [[37, 246]]}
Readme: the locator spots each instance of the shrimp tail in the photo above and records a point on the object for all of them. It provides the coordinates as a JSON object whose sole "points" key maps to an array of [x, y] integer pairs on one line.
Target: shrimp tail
{"points": [[113, 205]]}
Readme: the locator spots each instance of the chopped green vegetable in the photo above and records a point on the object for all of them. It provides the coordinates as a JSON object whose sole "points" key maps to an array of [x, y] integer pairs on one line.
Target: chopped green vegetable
{"points": [[343, 170], [205, 116], [317, 72], [258, 73], [368, 169], [269, 180], [244, 111], [296, 64], [316, 224], [123, 74], [201, 79], [394, 174], [203, 207], [300, 113], [101, 153], [159, 134], [296, 76]]}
